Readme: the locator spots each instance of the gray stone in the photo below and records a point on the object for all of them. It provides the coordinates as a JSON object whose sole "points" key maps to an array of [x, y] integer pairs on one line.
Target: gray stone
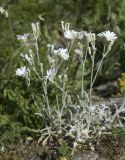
{"points": [[86, 155]]}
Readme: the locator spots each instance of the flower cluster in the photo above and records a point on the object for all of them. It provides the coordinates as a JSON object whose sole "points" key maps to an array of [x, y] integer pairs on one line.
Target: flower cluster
{"points": [[72, 34], [80, 119]]}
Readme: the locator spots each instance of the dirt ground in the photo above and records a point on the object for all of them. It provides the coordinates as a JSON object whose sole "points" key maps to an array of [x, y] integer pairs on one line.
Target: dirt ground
{"points": [[109, 148]]}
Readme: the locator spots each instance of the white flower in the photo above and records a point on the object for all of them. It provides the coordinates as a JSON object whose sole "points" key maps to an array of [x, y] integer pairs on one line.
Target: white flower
{"points": [[22, 37], [50, 74], [22, 72], [110, 36], [70, 34], [63, 53]]}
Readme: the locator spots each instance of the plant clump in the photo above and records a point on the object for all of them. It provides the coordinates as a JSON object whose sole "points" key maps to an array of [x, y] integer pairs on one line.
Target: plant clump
{"points": [[70, 117]]}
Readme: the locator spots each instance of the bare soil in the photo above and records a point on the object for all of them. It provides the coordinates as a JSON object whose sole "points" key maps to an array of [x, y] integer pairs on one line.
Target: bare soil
{"points": [[109, 148]]}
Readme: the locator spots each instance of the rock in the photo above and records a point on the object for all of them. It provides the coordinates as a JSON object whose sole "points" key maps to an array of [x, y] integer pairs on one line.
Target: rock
{"points": [[86, 155]]}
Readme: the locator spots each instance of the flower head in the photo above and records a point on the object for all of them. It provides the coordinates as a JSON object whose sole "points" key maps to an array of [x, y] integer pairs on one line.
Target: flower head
{"points": [[110, 36], [22, 72], [50, 74], [22, 37], [70, 34], [63, 53]]}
